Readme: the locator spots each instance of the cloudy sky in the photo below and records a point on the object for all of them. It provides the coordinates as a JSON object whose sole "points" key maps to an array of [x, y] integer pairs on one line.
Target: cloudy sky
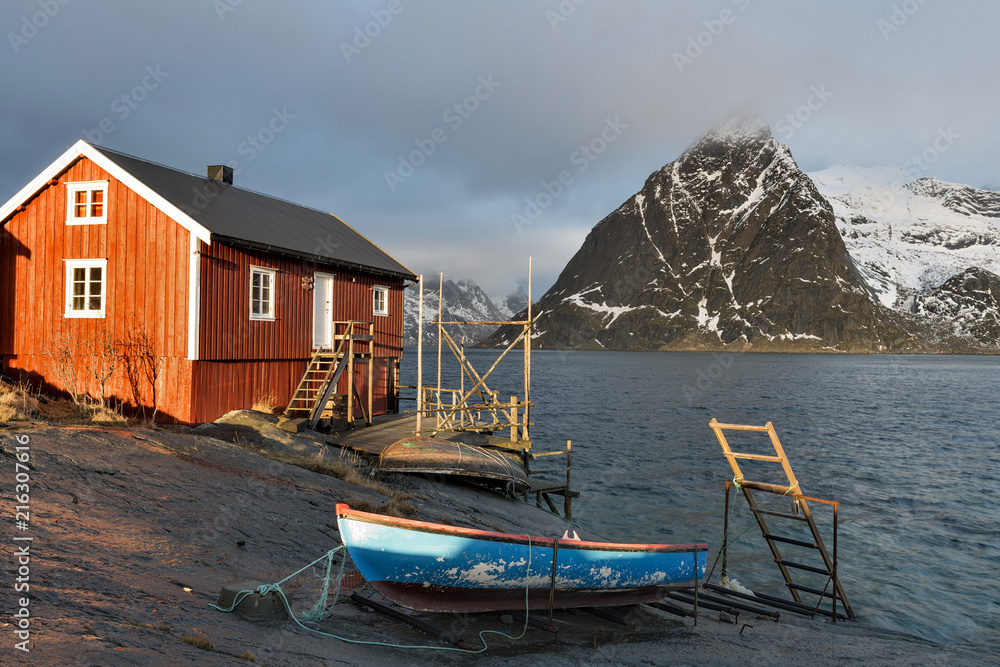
{"points": [[431, 127]]}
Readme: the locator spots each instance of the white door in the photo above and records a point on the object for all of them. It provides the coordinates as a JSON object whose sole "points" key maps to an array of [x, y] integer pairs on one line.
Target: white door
{"points": [[322, 310]]}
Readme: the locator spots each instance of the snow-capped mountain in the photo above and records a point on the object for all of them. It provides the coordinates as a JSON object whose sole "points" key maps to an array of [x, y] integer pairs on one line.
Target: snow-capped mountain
{"points": [[463, 301], [729, 246], [513, 303], [968, 303], [907, 235]]}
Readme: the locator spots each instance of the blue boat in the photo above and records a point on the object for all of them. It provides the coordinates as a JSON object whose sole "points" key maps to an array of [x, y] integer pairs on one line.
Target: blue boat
{"points": [[439, 568]]}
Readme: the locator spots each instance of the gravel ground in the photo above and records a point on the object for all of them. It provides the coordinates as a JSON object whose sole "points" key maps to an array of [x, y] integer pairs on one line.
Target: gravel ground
{"points": [[135, 531]]}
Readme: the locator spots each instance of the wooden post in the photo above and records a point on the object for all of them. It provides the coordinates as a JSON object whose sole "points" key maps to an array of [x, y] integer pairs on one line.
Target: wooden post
{"points": [[371, 372], [527, 363], [461, 375], [420, 353], [438, 403], [513, 419], [552, 584], [567, 500], [694, 552], [350, 373]]}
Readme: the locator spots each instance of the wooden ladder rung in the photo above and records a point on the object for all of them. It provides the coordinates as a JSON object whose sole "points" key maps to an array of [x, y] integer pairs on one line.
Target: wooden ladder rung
{"points": [[755, 457], [783, 515], [789, 540], [815, 591], [764, 486], [738, 427], [800, 566]]}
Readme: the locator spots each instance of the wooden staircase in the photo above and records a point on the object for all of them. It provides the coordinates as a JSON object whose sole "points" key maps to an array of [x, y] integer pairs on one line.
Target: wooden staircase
{"points": [[826, 570], [316, 396]]}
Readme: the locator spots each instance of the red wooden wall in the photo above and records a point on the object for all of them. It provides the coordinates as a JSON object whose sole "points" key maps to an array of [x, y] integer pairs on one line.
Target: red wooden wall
{"points": [[228, 333], [242, 360], [146, 282]]}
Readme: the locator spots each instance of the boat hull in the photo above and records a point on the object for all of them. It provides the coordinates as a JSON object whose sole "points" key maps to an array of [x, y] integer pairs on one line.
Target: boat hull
{"points": [[433, 567], [430, 456]]}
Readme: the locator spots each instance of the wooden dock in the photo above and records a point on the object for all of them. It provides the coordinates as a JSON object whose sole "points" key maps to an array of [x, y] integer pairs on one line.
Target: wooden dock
{"points": [[369, 441]]}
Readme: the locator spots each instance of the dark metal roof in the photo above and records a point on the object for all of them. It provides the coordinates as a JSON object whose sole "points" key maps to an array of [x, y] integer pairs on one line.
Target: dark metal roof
{"points": [[243, 217]]}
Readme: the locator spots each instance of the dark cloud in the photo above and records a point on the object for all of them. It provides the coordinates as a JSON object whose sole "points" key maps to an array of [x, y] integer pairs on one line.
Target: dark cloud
{"points": [[373, 88]]}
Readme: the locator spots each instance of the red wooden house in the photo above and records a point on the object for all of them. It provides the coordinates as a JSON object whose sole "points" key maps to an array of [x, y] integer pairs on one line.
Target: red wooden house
{"points": [[235, 289]]}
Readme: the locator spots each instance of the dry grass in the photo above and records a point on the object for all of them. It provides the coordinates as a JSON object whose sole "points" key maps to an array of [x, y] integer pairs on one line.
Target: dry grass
{"points": [[199, 640], [350, 469], [395, 507], [247, 655], [21, 402], [94, 413], [17, 403], [267, 404]]}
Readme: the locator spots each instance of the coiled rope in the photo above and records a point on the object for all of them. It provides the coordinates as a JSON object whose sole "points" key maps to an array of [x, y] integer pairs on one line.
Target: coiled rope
{"points": [[320, 611]]}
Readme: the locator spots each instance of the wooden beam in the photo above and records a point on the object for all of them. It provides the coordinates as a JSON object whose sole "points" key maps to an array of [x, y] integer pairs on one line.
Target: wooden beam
{"points": [[420, 354]]}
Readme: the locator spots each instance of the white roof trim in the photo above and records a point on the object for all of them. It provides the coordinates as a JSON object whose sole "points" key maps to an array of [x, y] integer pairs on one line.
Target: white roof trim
{"points": [[82, 148]]}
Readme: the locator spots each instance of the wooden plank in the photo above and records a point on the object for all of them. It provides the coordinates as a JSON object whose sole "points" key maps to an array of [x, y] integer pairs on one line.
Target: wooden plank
{"points": [[754, 457], [738, 427]]}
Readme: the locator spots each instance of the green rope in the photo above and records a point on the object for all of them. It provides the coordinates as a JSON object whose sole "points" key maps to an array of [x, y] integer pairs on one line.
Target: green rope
{"points": [[320, 612]]}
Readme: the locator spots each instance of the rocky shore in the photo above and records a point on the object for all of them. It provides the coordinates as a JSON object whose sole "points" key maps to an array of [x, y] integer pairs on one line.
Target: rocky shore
{"points": [[134, 532]]}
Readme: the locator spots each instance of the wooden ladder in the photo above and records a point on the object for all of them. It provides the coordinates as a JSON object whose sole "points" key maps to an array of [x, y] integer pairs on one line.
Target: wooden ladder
{"points": [[319, 382], [800, 513]]}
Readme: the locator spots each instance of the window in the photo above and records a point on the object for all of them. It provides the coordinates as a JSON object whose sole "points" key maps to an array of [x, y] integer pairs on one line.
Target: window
{"points": [[261, 293], [87, 203], [85, 287], [380, 300]]}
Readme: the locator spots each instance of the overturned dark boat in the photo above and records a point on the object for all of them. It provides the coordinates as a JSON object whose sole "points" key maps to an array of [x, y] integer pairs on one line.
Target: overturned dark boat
{"points": [[430, 456]]}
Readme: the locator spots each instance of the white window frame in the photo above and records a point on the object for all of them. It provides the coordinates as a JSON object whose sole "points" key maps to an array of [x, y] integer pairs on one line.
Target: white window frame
{"points": [[384, 291], [88, 187], [271, 275], [87, 265]]}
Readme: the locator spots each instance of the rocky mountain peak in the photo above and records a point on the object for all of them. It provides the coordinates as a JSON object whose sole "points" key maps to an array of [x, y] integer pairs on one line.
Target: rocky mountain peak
{"points": [[513, 303], [963, 199], [969, 302], [731, 244], [747, 127]]}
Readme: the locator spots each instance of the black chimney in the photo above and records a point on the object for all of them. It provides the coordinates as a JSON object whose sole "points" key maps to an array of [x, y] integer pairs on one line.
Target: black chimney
{"points": [[220, 172]]}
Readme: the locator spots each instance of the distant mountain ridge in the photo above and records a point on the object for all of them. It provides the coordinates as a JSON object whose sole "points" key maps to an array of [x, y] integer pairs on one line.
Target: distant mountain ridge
{"points": [[463, 301], [732, 246], [910, 235]]}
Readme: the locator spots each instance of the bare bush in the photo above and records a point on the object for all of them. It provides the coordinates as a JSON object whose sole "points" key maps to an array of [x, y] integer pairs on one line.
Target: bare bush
{"points": [[62, 360], [101, 358], [140, 362]]}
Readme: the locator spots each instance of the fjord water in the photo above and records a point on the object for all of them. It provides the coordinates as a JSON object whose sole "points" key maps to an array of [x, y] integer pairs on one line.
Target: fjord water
{"points": [[909, 445]]}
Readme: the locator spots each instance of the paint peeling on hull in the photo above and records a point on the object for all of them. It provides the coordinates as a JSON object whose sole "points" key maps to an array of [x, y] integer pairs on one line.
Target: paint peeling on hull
{"points": [[432, 567]]}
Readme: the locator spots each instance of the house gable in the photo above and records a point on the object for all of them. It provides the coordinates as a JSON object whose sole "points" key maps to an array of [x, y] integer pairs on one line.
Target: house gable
{"points": [[144, 282], [82, 149]]}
